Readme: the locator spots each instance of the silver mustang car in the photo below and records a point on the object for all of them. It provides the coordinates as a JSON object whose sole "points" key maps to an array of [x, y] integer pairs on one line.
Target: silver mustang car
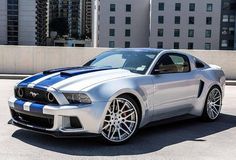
{"points": [[118, 92]]}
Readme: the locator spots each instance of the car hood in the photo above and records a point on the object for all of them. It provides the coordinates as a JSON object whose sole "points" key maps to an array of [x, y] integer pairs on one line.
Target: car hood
{"points": [[73, 79]]}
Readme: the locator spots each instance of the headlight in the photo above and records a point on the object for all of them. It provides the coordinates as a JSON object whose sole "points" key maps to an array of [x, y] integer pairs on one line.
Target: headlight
{"points": [[75, 98]]}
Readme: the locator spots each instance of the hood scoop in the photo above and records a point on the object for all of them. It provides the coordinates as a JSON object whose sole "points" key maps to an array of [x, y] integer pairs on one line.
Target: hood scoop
{"points": [[83, 70], [59, 70]]}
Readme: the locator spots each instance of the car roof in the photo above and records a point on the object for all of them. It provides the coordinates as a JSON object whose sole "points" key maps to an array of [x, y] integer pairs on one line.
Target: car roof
{"points": [[137, 50]]}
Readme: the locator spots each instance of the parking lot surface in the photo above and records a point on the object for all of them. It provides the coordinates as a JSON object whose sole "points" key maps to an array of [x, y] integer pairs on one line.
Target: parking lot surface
{"points": [[189, 139]]}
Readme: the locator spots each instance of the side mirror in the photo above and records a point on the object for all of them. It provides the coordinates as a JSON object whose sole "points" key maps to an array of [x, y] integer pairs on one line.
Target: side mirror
{"points": [[158, 71]]}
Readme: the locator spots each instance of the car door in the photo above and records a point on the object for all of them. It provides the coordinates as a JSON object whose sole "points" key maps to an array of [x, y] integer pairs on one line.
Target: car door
{"points": [[175, 86]]}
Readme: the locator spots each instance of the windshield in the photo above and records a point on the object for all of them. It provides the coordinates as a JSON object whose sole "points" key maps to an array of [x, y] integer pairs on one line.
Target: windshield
{"points": [[134, 61]]}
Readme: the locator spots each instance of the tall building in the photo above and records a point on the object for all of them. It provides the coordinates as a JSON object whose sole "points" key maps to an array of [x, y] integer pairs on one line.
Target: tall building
{"points": [[121, 23], [88, 18], [23, 22], [41, 22], [3, 22], [228, 23], [179, 24], [76, 14], [191, 24]]}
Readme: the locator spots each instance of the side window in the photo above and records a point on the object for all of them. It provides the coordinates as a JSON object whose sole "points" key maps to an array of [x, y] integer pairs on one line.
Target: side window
{"points": [[172, 63], [199, 64]]}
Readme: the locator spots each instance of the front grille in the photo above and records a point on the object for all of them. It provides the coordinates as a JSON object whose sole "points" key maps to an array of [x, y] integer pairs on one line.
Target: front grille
{"points": [[42, 121], [35, 95]]}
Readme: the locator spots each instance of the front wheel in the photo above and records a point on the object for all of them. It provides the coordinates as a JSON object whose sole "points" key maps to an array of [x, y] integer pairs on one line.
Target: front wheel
{"points": [[212, 105], [121, 120]]}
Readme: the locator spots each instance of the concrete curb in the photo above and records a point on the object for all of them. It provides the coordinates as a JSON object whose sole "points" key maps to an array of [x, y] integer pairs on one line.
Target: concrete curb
{"points": [[21, 76], [231, 82], [13, 76]]}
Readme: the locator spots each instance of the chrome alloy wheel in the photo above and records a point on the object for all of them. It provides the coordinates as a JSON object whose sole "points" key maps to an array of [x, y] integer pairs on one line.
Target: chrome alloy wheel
{"points": [[120, 121], [214, 103]]}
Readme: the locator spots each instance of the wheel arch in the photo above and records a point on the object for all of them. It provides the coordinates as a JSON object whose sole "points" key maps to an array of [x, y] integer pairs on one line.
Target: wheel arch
{"points": [[137, 96]]}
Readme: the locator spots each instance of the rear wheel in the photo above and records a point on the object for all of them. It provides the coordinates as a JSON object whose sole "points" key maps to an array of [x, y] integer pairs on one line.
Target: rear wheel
{"points": [[121, 120], [212, 105]]}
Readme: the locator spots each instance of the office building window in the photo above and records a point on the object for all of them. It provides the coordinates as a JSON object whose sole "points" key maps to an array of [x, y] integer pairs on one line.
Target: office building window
{"points": [[225, 31], [224, 43], [160, 19], [231, 44], [207, 46], [128, 7], [208, 33], [177, 19], [127, 44], [112, 20], [160, 32], [161, 6], [159, 44], [177, 6], [176, 33], [226, 6], [112, 32], [209, 7], [231, 31], [111, 44], [208, 20], [112, 7], [225, 18], [127, 20], [190, 33], [190, 45], [191, 20], [191, 7], [127, 33], [231, 18], [176, 45]]}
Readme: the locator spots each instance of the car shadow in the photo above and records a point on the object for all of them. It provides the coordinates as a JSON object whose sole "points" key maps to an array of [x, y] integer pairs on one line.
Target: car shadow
{"points": [[147, 140]]}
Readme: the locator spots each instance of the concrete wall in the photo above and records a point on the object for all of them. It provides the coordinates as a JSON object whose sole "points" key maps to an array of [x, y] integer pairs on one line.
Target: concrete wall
{"points": [[28, 60]]}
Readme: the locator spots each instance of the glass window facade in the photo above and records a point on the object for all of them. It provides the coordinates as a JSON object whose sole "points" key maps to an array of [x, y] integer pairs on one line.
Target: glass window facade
{"points": [[160, 32], [161, 6], [12, 22], [192, 7], [128, 8], [209, 7], [112, 7], [159, 44], [177, 6]]}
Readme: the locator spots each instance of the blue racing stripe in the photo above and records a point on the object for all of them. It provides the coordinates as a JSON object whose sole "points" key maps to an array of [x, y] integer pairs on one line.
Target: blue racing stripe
{"points": [[38, 108], [19, 104], [75, 72], [50, 81], [24, 83], [68, 74]]}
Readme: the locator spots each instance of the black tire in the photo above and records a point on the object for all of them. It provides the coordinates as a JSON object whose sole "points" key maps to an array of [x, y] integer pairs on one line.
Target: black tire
{"points": [[206, 114], [137, 109]]}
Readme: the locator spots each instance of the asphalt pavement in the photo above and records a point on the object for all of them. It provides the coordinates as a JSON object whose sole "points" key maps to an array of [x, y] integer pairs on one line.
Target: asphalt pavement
{"points": [[189, 139]]}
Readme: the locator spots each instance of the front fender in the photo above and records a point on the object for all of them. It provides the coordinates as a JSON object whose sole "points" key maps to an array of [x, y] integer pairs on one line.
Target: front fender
{"points": [[110, 90]]}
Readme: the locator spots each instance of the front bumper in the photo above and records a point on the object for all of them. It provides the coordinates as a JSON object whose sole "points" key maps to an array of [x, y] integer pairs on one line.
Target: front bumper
{"points": [[56, 120]]}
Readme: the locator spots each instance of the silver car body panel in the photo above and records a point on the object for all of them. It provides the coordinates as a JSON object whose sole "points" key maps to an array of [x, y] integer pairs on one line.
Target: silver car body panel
{"points": [[160, 96]]}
